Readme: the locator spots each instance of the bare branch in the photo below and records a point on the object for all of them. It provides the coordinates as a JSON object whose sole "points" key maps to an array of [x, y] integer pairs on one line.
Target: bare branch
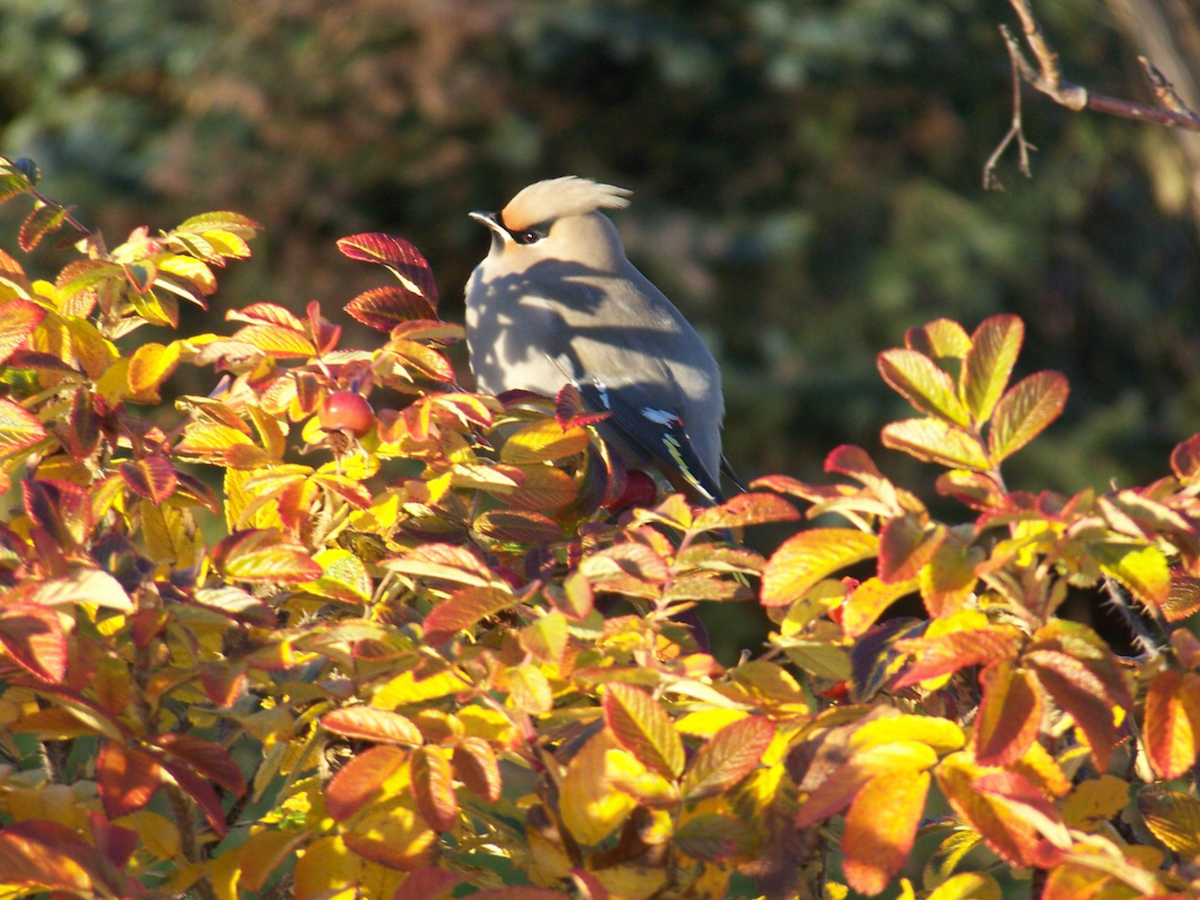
{"points": [[1047, 78], [1015, 132]]}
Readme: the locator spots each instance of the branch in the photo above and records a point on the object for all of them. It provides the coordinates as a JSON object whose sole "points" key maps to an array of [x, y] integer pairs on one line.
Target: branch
{"points": [[1047, 78]]}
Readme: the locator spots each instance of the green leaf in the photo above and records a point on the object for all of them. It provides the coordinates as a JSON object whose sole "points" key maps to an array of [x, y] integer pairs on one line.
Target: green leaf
{"points": [[932, 440], [806, 558], [642, 726], [994, 349], [1025, 411], [918, 379]]}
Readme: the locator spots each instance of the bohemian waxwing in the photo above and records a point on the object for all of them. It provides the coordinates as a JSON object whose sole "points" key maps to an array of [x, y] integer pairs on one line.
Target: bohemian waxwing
{"points": [[556, 302]]}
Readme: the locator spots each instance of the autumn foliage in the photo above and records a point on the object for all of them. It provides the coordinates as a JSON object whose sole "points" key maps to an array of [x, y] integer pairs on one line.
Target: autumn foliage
{"points": [[272, 641]]}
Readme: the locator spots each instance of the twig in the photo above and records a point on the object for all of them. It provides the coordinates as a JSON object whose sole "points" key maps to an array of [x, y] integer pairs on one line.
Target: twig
{"points": [[1015, 131], [1047, 78]]}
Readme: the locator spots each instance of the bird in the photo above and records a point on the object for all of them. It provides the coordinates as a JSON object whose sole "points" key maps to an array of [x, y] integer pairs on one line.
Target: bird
{"points": [[556, 301]]}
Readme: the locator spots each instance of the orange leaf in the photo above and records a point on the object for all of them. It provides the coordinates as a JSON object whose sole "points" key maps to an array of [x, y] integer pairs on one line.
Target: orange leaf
{"points": [[868, 601], [905, 546], [34, 637], [1010, 714], [17, 319], [880, 828], [1014, 839], [729, 756], [18, 428], [642, 726], [1081, 689], [476, 767], [1172, 723], [265, 556], [369, 724], [1023, 413], [956, 650], [360, 779], [433, 788], [746, 509], [463, 609]]}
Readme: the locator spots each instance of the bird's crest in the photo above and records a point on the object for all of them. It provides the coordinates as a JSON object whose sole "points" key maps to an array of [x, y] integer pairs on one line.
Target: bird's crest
{"points": [[570, 195]]}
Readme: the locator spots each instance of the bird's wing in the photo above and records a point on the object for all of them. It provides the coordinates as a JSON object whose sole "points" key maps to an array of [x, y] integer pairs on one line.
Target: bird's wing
{"points": [[658, 436]]}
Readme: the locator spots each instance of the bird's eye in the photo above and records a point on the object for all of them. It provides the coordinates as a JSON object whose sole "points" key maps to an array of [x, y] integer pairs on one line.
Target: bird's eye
{"points": [[528, 237]]}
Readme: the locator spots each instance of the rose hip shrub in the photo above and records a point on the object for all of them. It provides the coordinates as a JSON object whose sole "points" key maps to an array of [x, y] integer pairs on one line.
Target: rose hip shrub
{"points": [[265, 641]]}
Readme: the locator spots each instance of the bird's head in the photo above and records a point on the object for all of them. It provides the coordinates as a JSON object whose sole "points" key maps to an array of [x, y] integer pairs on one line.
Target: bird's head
{"points": [[558, 219]]}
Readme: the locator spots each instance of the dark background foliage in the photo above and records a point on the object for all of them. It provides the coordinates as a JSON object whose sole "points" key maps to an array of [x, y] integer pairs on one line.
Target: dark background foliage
{"points": [[807, 179]]}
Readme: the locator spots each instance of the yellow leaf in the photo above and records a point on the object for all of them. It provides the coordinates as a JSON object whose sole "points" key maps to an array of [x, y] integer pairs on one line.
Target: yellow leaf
{"points": [[323, 867], [941, 735], [408, 688], [967, 886], [804, 559], [157, 833], [151, 365], [591, 808], [1095, 801], [632, 882], [543, 441]]}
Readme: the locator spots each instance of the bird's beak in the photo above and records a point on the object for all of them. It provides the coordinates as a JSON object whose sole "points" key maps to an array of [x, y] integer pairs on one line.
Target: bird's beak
{"points": [[490, 220]]}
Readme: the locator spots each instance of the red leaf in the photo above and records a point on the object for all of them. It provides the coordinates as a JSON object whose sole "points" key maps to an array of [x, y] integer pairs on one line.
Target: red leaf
{"points": [[210, 760], [18, 318], [1185, 459], [202, 792], [127, 778], [153, 478], [1082, 693], [116, 843], [383, 308], [401, 257], [427, 884]]}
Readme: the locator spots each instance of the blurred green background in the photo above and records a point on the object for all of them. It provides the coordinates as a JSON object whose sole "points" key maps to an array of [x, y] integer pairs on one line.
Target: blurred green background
{"points": [[807, 178]]}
